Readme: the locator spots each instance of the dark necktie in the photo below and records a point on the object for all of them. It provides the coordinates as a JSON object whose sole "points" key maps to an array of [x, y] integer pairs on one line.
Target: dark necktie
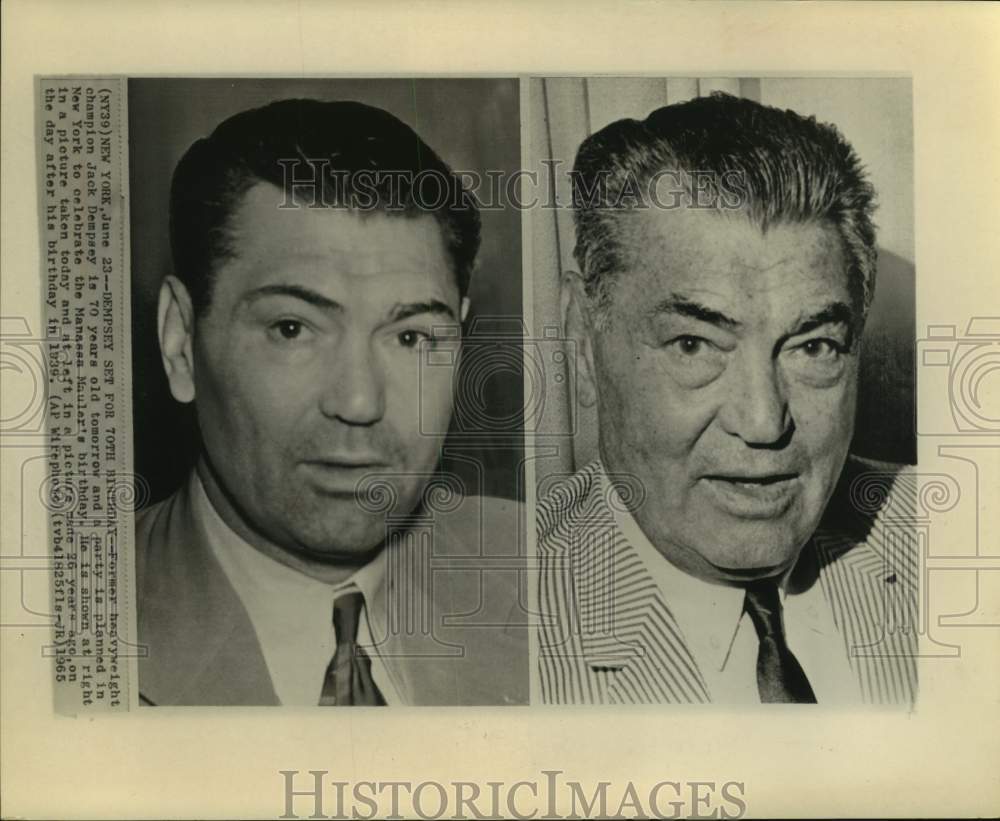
{"points": [[780, 677], [348, 679]]}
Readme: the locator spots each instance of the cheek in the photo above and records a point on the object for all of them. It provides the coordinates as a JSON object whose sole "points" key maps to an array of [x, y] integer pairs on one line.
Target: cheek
{"points": [[419, 397], [242, 396], [642, 409], [824, 420]]}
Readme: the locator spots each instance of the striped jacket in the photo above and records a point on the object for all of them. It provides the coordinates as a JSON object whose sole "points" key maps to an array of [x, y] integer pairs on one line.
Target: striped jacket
{"points": [[607, 636]]}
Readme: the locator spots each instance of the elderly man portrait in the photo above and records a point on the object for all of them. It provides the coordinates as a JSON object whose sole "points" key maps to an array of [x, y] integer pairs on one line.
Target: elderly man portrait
{"points": [[322, 253], [725, 264]]}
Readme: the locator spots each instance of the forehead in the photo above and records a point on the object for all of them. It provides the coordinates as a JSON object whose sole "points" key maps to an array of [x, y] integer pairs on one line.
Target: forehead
{"points": [[334, 248], [699, 251]]}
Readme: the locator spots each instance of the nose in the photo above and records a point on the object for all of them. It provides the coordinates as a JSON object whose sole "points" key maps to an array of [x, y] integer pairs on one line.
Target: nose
{"points": [[355, 389], [756, 406]]}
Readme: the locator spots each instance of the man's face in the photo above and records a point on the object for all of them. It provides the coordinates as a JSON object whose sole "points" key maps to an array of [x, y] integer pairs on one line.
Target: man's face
{"points": [[726, 380], [307, 368]]}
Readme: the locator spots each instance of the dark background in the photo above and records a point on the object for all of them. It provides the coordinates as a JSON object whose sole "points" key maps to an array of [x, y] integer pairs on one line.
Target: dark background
{"points": [[473, 125]]}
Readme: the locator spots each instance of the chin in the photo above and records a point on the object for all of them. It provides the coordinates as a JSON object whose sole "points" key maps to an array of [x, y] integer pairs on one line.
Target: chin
{"points": [[765, 565], [760, 550], [346, 538]]}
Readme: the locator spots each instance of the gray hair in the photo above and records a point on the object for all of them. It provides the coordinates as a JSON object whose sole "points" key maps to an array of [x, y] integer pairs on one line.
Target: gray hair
{"points": [[727, 153]]}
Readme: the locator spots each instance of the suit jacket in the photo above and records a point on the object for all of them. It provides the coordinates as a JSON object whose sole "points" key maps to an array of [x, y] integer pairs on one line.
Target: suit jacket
{"points": [[461, 640], [606, 634]]}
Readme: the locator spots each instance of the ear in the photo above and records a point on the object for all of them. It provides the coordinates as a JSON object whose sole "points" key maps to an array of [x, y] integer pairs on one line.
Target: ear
{"points": [[579, 328], [175, 325]]}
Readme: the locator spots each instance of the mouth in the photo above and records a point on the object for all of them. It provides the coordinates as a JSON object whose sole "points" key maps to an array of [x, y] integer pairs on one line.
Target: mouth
{"points": [[340, 475], [754, 496], [349, 460]]}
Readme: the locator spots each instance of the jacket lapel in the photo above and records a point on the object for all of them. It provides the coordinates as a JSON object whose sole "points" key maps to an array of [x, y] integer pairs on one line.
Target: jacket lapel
{"points": [[403, 623], [628, 634], [868, 558], [874, 606], [201, 643], [438, 634]]}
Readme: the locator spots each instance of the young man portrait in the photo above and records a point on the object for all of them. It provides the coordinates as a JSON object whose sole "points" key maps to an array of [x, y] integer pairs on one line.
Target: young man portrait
{"points": [[316, 554]]}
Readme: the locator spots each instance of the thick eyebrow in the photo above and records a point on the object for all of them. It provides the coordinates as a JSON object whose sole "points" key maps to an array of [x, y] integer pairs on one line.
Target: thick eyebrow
{"points": [[401, 311], [398, 312], [836, 313], [296, 291], [682, 306]]}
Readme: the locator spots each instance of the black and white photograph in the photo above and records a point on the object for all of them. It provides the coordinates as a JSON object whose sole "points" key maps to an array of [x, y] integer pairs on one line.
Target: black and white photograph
{"points": [[611, 389], [740, 338], [327, 382]]}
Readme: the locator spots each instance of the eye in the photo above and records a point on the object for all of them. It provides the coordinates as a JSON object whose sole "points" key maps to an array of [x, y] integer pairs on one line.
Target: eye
{"points": [[818, 361], [821, 348], [689, 345], [288, 330], [411, 338], [693, 361]]}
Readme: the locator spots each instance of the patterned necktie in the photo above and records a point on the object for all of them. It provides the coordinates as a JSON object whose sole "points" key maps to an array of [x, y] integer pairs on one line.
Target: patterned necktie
{"points": [[780, 677], [348, 679]]}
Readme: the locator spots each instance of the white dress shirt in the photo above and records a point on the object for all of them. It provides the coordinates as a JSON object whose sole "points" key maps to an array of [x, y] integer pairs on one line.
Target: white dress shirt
{"points": [[722, 638], [292, 613]]}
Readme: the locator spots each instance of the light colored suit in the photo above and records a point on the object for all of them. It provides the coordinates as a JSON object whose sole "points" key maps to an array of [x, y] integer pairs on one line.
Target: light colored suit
{"points": [[459, 635], [606, 634]]}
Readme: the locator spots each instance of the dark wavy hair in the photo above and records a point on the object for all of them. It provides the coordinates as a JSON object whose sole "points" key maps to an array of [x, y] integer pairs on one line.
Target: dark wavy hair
{"points": [[361, 157], [729, 153]]}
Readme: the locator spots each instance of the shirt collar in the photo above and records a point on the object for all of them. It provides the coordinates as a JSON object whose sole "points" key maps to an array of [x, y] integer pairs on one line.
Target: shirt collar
{"points": [[282, 586]]}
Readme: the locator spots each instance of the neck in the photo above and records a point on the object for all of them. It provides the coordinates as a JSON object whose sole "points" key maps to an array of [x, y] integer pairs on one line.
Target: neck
{"points": [[691, 563], [329, 571]]}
